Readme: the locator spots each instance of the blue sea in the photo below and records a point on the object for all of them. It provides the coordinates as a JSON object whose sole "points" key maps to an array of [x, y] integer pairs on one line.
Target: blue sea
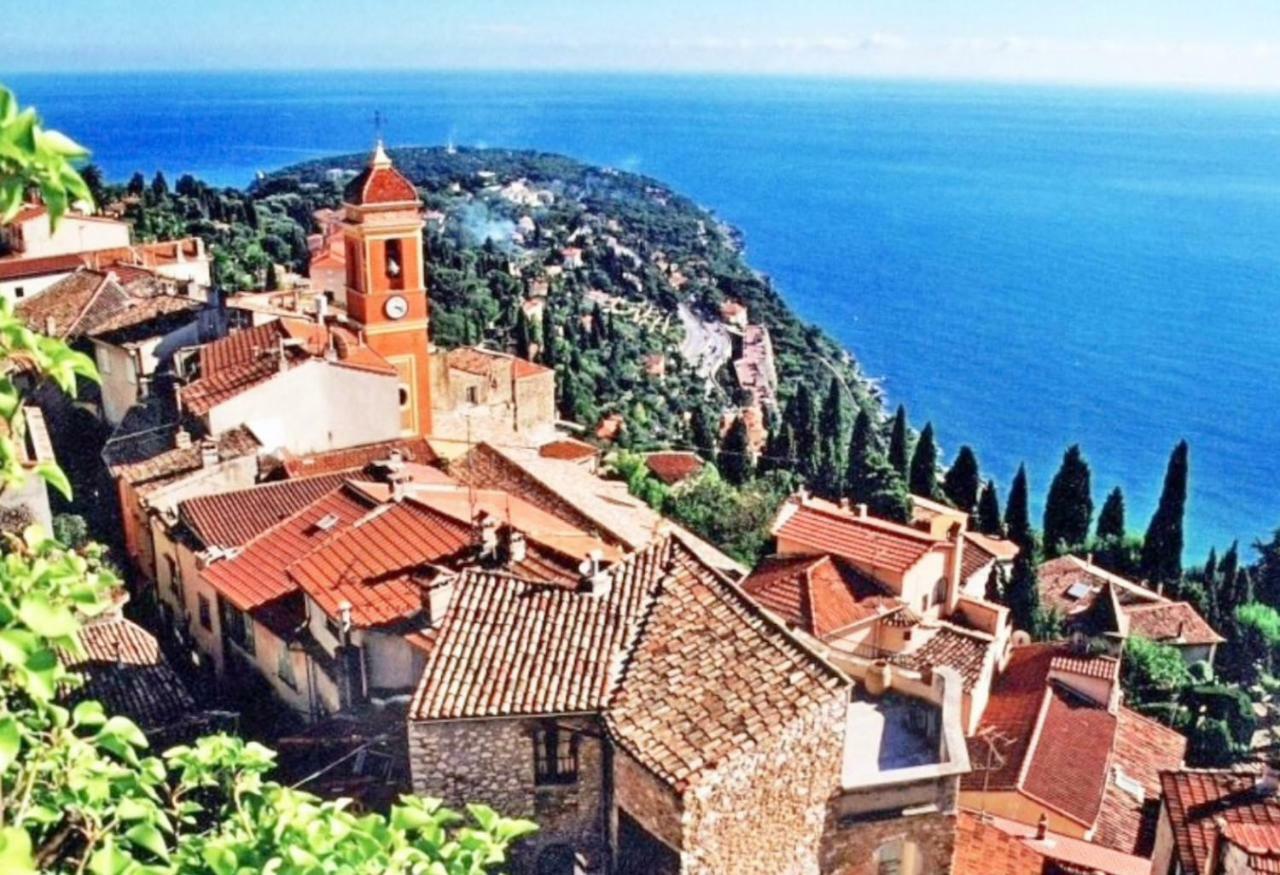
{"points": [[1027, 267]]}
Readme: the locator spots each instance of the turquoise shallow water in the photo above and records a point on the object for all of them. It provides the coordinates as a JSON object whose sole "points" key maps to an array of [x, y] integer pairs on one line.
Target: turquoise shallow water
{"points": [[1027, 267]]}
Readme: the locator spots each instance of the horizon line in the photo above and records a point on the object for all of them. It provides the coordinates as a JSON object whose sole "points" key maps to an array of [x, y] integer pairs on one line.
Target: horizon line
{"points": [[1165, 87]]}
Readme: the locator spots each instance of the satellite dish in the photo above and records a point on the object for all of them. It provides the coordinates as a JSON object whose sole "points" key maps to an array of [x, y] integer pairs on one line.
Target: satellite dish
{"points": [[1020, 638]]}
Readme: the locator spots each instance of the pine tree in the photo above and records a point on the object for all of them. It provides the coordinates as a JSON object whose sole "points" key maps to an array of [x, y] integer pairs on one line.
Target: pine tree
{"points": [[703, 433], [1162, 547], [924, 465], [987, 519], [800, 416], [524, 338], [1111, 524], [1022, 594], [1017, 513], [900, 444], [548, 350], [1068, 509], [735, 461], [963, 481]]}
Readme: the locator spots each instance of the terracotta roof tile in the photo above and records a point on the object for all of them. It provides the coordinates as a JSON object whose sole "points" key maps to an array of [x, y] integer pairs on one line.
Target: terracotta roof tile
{"points": [[125, 670], [1143, 749], [568, 450], [671, 468], [380, 183], [1069, 585], [1171, 623], [1104, 667], [1059, 854], [818, 594], [960, 649], [150, 459], [410, 449], [869, 543], [230, 519], [1194, 798], [982, 849]]}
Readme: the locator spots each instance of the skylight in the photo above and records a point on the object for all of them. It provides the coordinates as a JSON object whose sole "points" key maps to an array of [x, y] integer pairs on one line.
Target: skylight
{"points": [[327, 522], [1130, 786], [1078, 590]]}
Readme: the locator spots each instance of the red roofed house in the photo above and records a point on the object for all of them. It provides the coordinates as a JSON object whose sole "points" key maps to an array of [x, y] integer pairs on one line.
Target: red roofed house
{"points": [[1218, 823], [28, 241], [673, 467], [299, 385], [1077, 589], [482, 394], [1055, 744], [991, 845], [328, 268], [653, 720], [867, 590]]}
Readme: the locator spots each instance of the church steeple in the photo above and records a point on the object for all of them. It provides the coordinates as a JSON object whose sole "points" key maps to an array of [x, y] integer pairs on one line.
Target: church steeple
{"points": [[386, 279]]}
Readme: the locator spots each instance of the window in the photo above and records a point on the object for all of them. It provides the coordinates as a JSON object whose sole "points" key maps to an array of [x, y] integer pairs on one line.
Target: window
{"points": [[206, 615], [104, 360], [236, 626], [404, 396], [284, 668], [555, 755], [175, 577], [897, 857], [940, 591], [19, 292], [331, 626], [394, 264], [473, 394]]}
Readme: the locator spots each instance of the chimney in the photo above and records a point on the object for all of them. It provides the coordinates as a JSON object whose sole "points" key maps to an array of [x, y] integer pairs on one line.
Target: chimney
{"points": [[51, 326], [1181, 630], [1268, 781], [486, 535], [954, 581], [344, 620], [322, 308], [438, 595], [1042, 827], [208, 453], [182, 439], [844, 502], [595, 580], [517, 546], [860, 510]]}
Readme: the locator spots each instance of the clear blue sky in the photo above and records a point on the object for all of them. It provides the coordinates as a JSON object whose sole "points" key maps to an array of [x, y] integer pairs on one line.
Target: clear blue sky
{"points": [[1235, 43]]}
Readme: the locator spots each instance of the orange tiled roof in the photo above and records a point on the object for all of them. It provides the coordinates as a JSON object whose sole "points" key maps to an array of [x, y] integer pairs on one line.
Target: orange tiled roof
{"points": [[817, 593], [1104, 667], [380, 183], [509, 647], [1058, 576], [568, 450], [1172, 623], [1043, 724], [1259, 842], [524, 369], [866, 541], [672, 467], [150, 459], [1143, 749], [258, 574], [352, 458], [230, 519], [372, 565], [1195, 798], [954, 647], [982, 849]]}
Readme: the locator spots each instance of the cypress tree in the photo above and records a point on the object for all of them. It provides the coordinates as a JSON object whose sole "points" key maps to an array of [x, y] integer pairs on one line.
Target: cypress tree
{"points": [[862, 443], [1111, 520], [924, 465], [159, 186], [987, 518], [735, 461], [782, 451], [899, 444], [704, 433], [1069, 506], [250, 215], [800, 416], [137, 184], [272, 281], [548, 351], [1017, 513], [963, 481], [1225, 585], [1022, 594], [830, 480], [882, 490], [597, 327], [831, 420], [1210, 574], [524, 338], [995, 588], [1162, 547]]}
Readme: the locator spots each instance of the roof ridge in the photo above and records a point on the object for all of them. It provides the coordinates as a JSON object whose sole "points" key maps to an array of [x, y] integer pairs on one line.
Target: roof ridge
{"points": [[876, 523]]}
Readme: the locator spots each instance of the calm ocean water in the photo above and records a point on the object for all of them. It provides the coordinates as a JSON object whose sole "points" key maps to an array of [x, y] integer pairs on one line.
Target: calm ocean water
{"points": [[1025, 267]]}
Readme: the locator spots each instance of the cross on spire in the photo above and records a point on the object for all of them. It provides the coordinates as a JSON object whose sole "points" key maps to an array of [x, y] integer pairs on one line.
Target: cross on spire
{"points": [[377, 124]]}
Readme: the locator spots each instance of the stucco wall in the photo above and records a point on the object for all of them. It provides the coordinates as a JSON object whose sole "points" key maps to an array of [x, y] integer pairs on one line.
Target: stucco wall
{"points": [[315, 407]]}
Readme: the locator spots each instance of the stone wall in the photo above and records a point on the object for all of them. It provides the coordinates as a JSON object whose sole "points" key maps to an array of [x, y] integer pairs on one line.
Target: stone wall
{"points": [[535, 398], [763, 812], [491, 761], [852, 846]]}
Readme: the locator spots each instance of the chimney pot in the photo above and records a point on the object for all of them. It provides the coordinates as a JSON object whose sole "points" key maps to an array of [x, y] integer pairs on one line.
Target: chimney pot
{"points": [[517, 547], [861, 510], [208, 453], [1042, 827], [182, 439]]}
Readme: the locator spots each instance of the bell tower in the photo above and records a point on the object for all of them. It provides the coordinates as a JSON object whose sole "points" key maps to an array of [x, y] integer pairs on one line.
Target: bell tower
{"points": [[386, 280]]}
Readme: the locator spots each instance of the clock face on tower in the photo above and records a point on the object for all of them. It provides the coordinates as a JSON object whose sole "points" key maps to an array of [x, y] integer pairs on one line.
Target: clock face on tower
{"points": [[396, 307]]}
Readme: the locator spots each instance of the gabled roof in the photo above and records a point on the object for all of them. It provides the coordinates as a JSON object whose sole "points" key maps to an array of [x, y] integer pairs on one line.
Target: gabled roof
{"points": [[230, 519], [1069, 585], [74, 304], [1171, 623], [150, 458], [568, 450], [961, 649], [817, 594], [258, 574], [1143, 749], [1194, 798], [673, 467], [686, 671], [1260, 844], [991, 845], [373, 565], [820, 527], [983, 849], [380, 183], [352, 458], [124, 669], [1052, 744], [242, 360]]}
